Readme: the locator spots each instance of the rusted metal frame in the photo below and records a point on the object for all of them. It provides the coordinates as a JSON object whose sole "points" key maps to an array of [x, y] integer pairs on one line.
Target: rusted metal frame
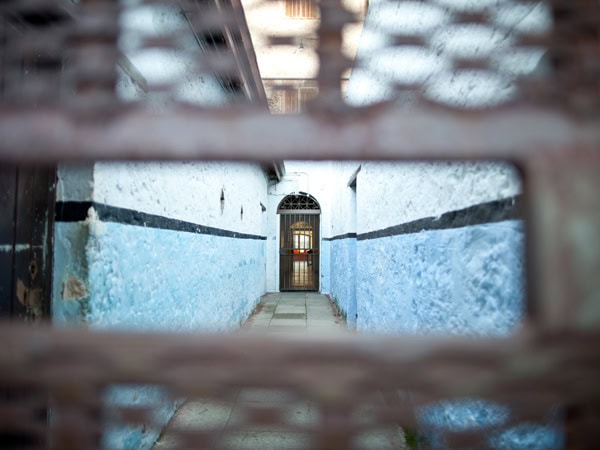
{"points": [[557, 360], [563, 225], [332, 62], [519, 134], [564, 201], [564, 262], [94, 54]]}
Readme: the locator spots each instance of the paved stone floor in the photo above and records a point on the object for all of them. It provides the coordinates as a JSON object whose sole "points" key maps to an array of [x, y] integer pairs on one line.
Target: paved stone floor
{"points": [[276, 313], [293, 312]]}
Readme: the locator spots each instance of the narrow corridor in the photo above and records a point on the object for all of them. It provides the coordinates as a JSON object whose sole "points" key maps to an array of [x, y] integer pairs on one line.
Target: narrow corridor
{"points": [[225, 423]]}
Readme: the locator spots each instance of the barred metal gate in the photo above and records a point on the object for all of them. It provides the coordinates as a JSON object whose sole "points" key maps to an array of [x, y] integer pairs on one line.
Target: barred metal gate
{"points": [[299, 243]]}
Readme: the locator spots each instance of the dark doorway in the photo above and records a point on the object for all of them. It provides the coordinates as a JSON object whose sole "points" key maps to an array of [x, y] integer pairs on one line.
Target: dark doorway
{"points": [[299, 243], [27, 197]]}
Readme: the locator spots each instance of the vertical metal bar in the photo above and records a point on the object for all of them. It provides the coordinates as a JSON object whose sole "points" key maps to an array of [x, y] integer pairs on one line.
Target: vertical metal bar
{"points": [[96, 93], [312, 244], [304, 263], [332, 64], [282, 261], [290, 255], [308, 269], [286, 258], [564, 258], [280, 245], [315, 253], [318, 240], [301, 255], [293, 221], [287, 255], [291, 258]]}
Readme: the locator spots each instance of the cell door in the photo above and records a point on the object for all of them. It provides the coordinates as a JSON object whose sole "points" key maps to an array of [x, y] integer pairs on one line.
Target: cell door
{"points": [[299, 243]]}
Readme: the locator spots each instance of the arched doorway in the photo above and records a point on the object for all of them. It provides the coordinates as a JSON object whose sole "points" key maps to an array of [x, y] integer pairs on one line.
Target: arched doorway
{"points": [[299, 243]]}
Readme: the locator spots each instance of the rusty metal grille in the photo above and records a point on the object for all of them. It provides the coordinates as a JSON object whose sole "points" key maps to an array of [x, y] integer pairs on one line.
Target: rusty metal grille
{"points": [[356, 386], [540, 53], [61, 63], [60, 66]]}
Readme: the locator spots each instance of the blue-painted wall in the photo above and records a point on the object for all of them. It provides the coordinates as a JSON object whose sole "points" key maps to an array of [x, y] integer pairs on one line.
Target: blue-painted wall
{"points": [[131, 277], [457, 280], [432, 248], [326, 272], [466, 280], [141, 278], [344, 276], [170, 246]]}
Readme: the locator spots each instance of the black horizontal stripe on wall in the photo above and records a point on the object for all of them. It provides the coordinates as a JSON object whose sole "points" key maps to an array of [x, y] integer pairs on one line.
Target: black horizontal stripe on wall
{"points": [[483, 213], [341, 236], [78, 211]]}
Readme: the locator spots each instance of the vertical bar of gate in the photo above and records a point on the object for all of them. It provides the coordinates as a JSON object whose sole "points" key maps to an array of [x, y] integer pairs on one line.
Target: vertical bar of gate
{"points": [[306, 266], [309, 275], [288, 270], [316, 252], [289, 255], [301, 253], [308, 255], [280, 243], [290, 244], [312, 237], [315, 245], [284, 258]]}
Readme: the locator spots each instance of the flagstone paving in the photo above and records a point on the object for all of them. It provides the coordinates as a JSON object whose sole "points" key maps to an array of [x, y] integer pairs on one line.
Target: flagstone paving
{"points": [[276, 314]]}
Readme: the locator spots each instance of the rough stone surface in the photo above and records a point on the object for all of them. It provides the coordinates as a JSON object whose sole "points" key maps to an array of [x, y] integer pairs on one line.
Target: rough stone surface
{"points": [[394, 193], [143, 278], [344, 277], [189, 191], [459, 281]]}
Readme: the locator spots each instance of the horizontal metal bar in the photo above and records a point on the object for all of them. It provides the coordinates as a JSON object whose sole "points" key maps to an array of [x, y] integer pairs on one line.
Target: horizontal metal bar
{"points": [[562, 364], [132, 133], [299, 211]]}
